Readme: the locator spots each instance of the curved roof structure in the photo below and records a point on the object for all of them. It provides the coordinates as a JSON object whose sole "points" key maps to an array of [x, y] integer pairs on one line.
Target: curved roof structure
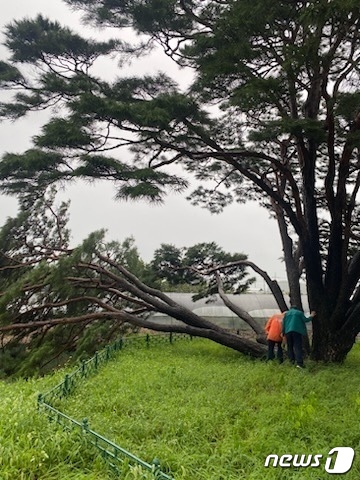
{"points": [[247, 301], [259, 305]]}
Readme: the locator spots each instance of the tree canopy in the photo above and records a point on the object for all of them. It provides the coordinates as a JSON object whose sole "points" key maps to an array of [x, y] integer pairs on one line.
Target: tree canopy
{"points": [[272, 115]]}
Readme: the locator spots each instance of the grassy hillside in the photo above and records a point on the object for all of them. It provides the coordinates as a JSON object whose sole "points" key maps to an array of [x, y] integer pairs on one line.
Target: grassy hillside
{"points": [[208, 413], [204, 410], [32, 448]]}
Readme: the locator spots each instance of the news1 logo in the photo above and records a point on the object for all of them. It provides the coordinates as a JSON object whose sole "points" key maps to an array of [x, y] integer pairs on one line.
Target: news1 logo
{"points": [[342, 461], [338, 460]]}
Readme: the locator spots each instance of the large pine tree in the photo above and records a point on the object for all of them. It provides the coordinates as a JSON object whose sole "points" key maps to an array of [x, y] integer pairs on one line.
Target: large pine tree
{"points": [[282, 79]]}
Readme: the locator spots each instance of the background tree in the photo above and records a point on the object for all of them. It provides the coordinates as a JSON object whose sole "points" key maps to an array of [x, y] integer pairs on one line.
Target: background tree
{"points": [[187, 269], [166, 266], [284, 79]]}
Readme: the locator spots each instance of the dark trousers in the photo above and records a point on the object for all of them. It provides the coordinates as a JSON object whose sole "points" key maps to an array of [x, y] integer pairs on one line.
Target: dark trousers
{"points": [[279, 353], [294, 347]]}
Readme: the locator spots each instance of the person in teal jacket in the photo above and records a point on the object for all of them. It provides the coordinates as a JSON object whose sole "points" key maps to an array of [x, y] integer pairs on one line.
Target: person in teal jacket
{"points": [[294, 328]]}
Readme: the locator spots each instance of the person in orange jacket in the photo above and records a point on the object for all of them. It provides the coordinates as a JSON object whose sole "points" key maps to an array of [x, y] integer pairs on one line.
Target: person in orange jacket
{"points": [[273, 329]]}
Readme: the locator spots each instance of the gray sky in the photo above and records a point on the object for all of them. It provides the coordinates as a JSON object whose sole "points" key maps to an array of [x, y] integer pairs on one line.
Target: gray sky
{"points": [[240, 228]]}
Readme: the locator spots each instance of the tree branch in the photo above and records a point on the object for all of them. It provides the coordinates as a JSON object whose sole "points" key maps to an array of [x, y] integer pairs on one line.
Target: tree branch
{"points": [[258, 329], [272, 284]]}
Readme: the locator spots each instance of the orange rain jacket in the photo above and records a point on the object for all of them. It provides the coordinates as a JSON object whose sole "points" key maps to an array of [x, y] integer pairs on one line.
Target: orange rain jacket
{"points": [[273, 328]]}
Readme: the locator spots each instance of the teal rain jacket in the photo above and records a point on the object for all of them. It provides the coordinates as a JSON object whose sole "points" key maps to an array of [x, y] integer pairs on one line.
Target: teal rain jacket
{"points": [[294, 321]]}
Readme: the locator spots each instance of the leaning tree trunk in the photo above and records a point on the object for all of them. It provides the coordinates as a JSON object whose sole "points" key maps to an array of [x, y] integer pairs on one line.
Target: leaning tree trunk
{"points": [[252, 322], [154, 300]]}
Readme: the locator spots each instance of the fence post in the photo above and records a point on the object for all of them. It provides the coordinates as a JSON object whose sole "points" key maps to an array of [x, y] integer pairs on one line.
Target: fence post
{"points": [[156, 467], [147, 340], [96, 360], [83, 368], [171, 337], [118, 345], [85, 425], [66, 385], [39, 400]]}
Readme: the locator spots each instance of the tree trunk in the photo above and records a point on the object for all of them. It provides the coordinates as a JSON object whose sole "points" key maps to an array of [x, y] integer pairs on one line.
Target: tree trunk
{"points": [[332, 348], [291, 264], [330, 344], [242, 344]]}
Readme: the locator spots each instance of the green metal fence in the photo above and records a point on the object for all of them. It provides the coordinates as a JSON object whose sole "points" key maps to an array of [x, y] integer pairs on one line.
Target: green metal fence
{"points": [[49, 402]]}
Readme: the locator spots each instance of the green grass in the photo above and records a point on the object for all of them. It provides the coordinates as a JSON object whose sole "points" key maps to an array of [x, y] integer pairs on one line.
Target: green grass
{"points": [[32, 448], [205, 411], [208, 413]]}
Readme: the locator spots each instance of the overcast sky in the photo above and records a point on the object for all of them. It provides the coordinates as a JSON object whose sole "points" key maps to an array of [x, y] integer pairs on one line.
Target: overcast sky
{"points": [[240, 228]]}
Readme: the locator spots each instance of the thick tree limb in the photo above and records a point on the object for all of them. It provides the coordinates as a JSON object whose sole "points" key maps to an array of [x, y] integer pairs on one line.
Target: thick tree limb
{"points": [[218, 335], [258, 329], [272, 284], [159, 301]]}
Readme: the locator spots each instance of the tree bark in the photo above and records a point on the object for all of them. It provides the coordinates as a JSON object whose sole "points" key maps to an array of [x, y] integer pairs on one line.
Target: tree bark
{"points": [[253, 324], [291, 265]]}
